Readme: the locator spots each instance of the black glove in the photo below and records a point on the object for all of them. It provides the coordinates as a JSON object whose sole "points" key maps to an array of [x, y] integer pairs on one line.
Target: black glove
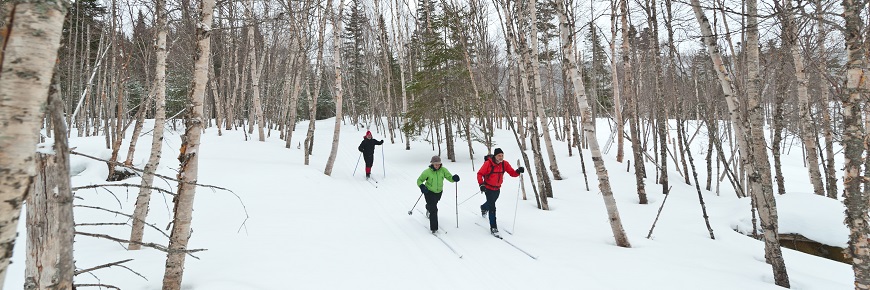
{"points": [[482, 188], [423, 188], [455, 178], [521, 170]]}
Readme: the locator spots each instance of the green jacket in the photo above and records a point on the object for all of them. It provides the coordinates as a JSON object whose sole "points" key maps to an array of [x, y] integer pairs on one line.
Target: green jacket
{"points": [[435, 178]]}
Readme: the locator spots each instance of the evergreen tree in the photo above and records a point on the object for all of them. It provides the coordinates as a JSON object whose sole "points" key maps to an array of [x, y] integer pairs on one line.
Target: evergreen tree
{"points": [[597, 67]]}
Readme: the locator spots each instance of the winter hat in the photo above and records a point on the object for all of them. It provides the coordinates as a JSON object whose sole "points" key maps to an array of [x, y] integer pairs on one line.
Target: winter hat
{"points": [[497, 151], [368, 133], [435, 159]]}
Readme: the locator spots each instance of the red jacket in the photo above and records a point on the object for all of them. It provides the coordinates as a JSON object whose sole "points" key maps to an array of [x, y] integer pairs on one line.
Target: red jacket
{"points": [[492, 174]]}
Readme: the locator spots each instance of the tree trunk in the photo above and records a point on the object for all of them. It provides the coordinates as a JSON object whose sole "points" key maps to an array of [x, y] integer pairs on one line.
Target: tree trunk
{"points": [[830, 172], [617, 99], [189, 155], [853, 145], [339, 93], [539, 98], [31, 39], [256, 107], [314, 94], [140, 213], [50, 225], [757, 154], [632, 114], [808, 135], [589, 128]]}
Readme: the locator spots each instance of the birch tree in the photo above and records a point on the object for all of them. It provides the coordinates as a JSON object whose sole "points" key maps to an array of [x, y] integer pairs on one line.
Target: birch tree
{"points": [[570, 67], [256, 107], [631, 102], [756, 154], [852, 99], [808, 135], [189, 154], [50, 225], [32, 33], [159, 88], [339, 93]]}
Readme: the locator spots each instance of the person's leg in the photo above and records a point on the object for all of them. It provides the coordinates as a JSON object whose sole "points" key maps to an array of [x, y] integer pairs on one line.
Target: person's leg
{"points": [[370, 159], [432, 209], [491, 197]]}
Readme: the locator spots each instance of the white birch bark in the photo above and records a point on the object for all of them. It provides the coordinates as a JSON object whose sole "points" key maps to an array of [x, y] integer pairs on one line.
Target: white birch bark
{"points": [[789, 27], [189, 155], [758, 166], [257, 108], [339, 92], [50, 225], [588, 127], [140, 212], [617, 99], [32, 38], [539, 102], [853, 142]]}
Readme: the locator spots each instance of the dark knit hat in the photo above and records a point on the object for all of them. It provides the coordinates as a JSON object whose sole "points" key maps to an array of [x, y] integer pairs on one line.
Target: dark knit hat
{"points": [[435, 159], [497, 151]]}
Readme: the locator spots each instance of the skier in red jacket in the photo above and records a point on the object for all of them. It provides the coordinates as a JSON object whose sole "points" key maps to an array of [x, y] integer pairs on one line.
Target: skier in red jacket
{"points": [[490, 177]]}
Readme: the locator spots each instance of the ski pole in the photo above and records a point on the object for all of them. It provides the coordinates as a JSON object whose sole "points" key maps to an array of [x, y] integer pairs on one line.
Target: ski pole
{"points": [[473, 195], [456, 201], [357, 164], [383, 164], [415, 205], [516, 205]]}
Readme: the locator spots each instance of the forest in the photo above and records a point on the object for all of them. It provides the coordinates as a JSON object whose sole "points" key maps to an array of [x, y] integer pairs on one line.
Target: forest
{"points": [[755, 78]]}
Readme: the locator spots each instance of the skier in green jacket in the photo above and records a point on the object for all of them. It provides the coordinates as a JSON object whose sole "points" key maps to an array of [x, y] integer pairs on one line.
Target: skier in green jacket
{"points": [[431, 183]]}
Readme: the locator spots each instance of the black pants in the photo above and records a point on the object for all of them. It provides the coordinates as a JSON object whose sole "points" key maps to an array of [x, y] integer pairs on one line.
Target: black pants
{"points": [[432, 199], [491, 197], [370, 159]]}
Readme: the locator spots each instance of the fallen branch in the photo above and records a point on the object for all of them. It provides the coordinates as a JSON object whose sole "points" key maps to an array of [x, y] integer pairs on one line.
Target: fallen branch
{"points": [[124, 185], [150, 245], [101, 266], [95, 285], [115, 163], [123, 214]]}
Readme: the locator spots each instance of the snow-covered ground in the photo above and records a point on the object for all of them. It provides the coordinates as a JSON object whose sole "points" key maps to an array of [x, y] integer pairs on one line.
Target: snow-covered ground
{"points": [[286, 225]]}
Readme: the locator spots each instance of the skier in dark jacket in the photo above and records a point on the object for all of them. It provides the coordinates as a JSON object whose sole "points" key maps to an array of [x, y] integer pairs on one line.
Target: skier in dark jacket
{"points": [[490, 177], [431, 183], [367, 147]]}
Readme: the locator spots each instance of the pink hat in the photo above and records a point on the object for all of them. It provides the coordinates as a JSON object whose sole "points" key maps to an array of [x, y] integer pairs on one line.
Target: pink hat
{"points": [[368, 133]]}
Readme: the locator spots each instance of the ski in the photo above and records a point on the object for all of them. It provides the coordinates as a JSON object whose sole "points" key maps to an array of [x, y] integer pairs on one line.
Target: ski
{"points": [[509, 243], [427, 217], [375, 184], [448, 245], [485, 218], [441, 239]]}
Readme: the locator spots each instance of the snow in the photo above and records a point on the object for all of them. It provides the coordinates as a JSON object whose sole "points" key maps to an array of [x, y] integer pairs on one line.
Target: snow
{"points": [[287, 225]]}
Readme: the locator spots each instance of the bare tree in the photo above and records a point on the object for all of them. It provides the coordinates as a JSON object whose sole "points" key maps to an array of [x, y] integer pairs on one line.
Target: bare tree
{"points": [[32, 34], [808, 135], [631, 97], [852, 98], [588, 127], [159, 88], [50, 226], [339, 93], [189, 155], [756, 154]]}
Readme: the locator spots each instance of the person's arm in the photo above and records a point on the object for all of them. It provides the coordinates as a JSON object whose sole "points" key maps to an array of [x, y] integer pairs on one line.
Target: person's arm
{"points": [[484, 170], [380, 142], [509, 169], [422, 178], [448, 175], [360, 148]]}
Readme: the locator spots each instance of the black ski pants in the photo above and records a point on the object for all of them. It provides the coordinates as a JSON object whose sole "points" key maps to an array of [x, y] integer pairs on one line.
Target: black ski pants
{"points": [[432, 199], [491, 197]]}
